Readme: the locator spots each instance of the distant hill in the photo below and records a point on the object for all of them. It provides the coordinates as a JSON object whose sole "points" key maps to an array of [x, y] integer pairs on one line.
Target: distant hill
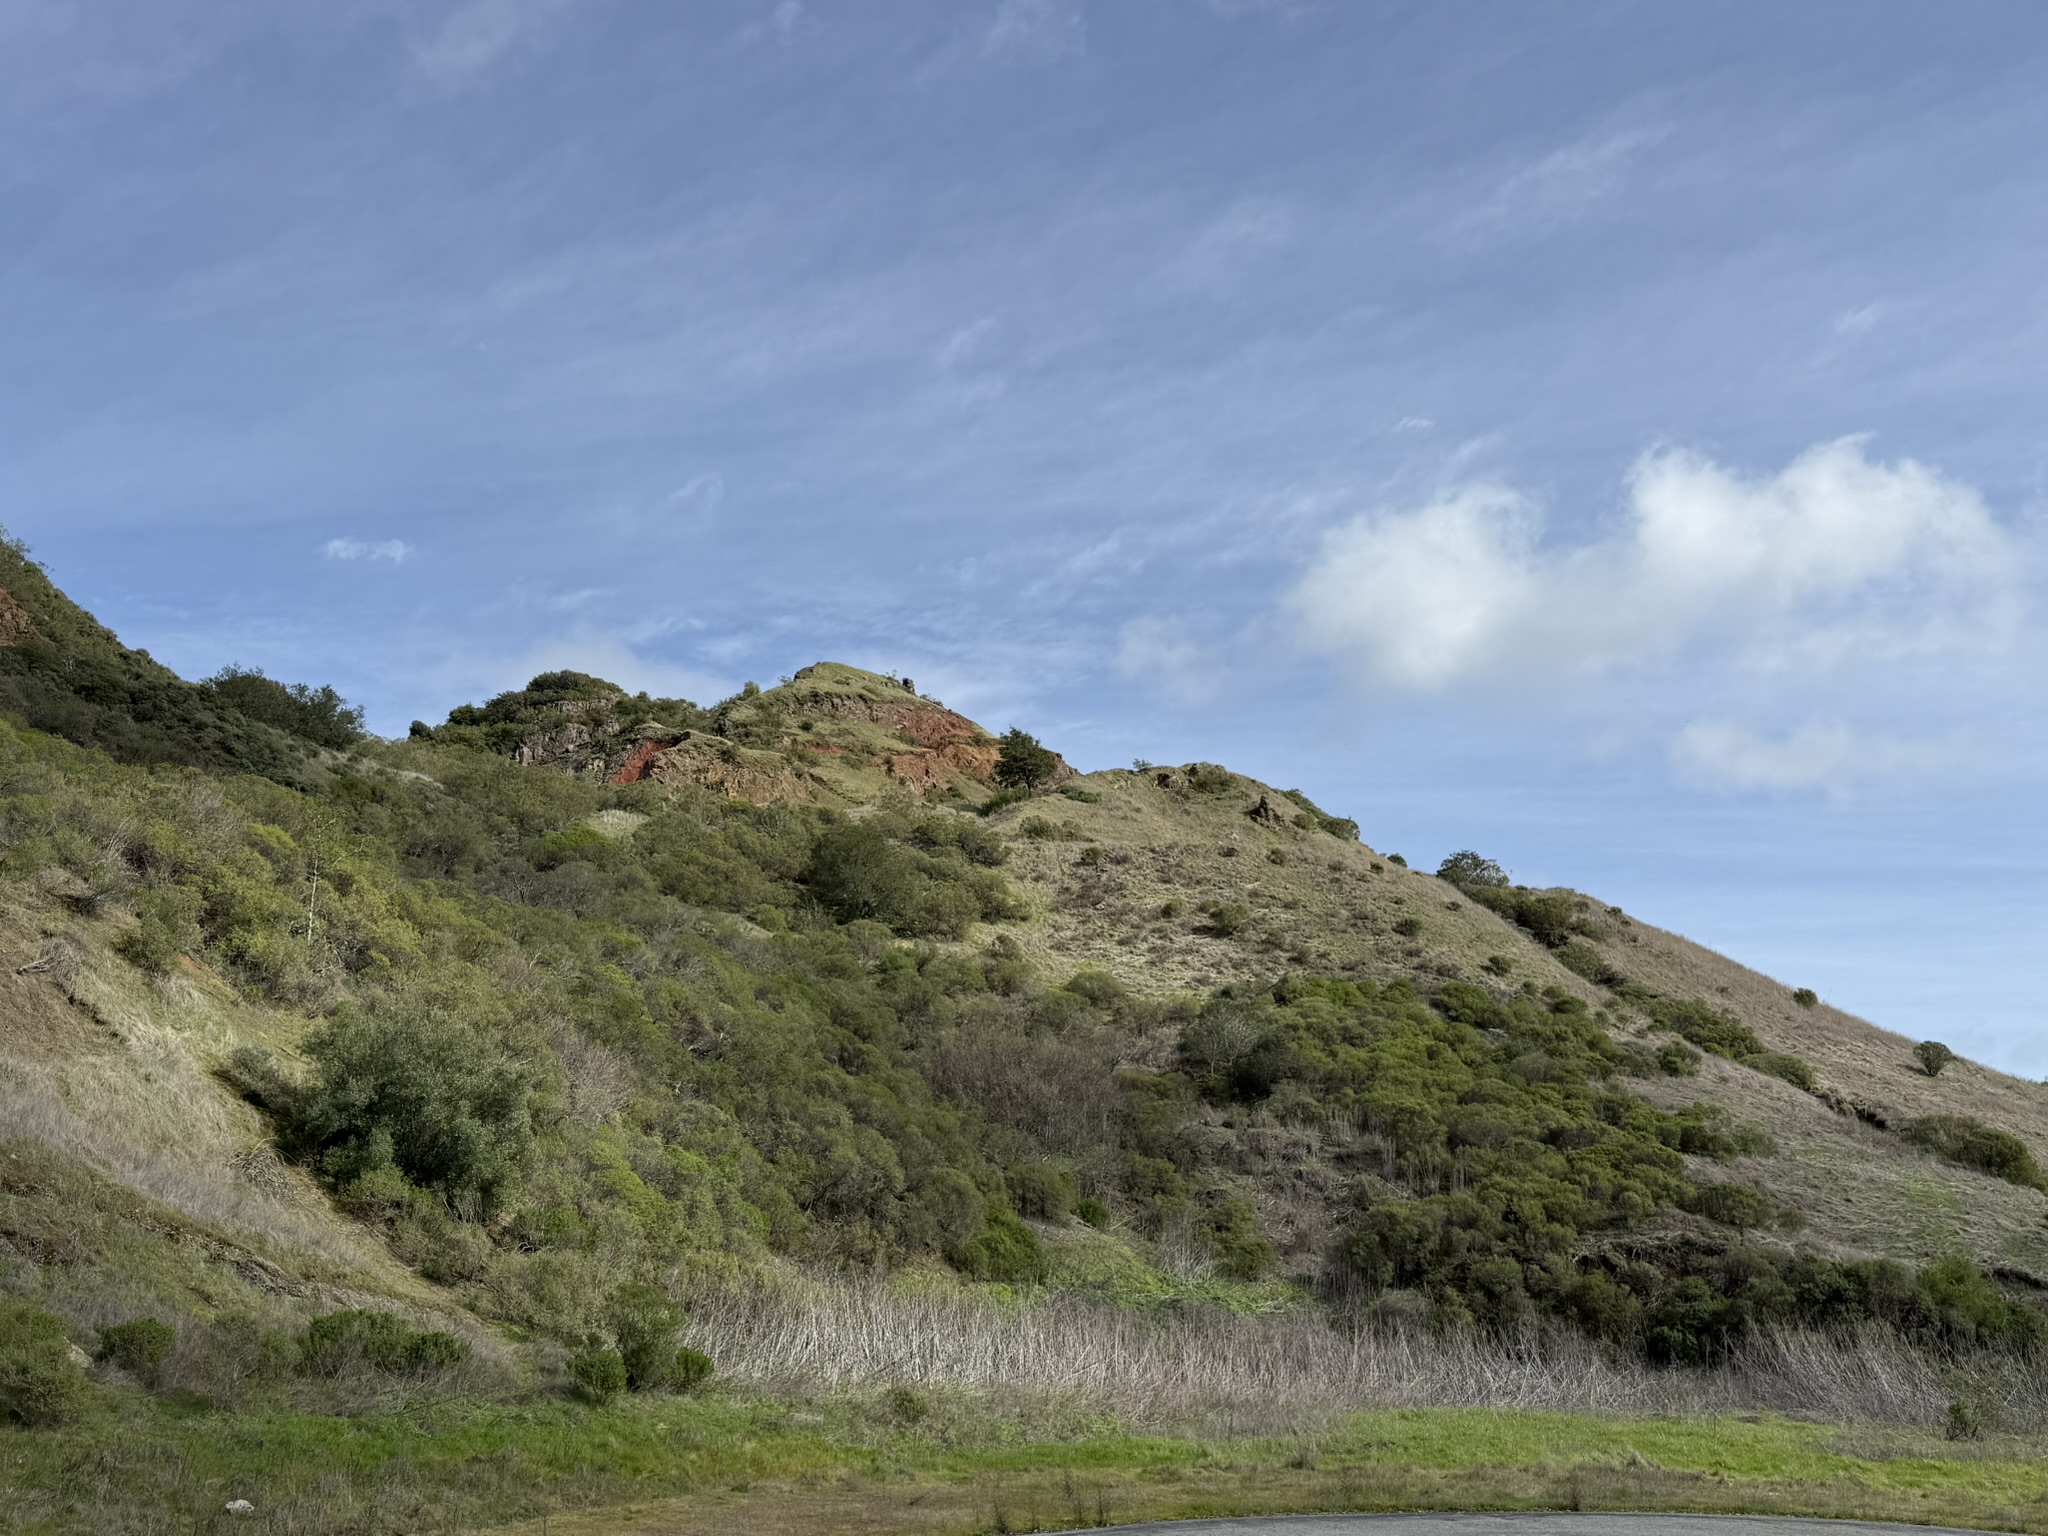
{"points": [[581, 991]]}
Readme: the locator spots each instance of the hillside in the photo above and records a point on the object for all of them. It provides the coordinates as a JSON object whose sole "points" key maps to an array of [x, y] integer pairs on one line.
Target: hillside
{"points": [[529, 1031]]}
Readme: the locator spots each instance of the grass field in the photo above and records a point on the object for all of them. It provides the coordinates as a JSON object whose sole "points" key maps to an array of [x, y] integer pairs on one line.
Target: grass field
{"points": [[968, 1463]]}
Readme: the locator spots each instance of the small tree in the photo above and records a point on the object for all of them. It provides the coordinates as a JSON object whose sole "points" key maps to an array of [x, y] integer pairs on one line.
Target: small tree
{"points": [[1024, 763], [1932, 1056], [1466, 868]]}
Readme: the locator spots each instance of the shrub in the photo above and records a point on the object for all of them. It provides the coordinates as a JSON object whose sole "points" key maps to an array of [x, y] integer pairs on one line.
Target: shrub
{"points": [[1023, 763], [440, 1104], [1227, 919], [1466, 868], [1091, 1211], [1276, 855], [168, 928], [357, 1339], [1005, 1250], [1784, 1066], [644, 1322], [1705, 1026], [1395, 858], [690, 1369], [1932, 1056], [1211, 779], [319, 715], [139, 1347], [39, 1384], [1806, 997], [1581, 958], [1972, 1144], [906, 1405], [599, 1374], [1677, 1059], [1041, 1190], [1408, 927], [1733, 1205]]}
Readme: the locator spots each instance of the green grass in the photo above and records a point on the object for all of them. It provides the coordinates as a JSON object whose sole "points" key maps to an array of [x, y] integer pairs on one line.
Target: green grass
{"points": [[167, 1464]]}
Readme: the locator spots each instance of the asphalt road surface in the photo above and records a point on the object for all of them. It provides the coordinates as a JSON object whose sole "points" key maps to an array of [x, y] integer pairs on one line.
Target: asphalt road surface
{"points": [[1522, 1524]]}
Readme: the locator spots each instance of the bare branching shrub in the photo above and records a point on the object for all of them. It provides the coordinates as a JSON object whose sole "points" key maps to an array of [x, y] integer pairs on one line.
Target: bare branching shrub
{"points": [[1262, 1374], [596, 1080], [1058, 1089]]}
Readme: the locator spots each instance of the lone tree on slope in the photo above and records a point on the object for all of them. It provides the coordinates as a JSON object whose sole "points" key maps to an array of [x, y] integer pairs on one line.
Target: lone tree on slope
{"points": [[1024, 763]]}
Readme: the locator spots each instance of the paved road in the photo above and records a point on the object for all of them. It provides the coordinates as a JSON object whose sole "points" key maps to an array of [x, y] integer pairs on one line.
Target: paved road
{"points": [[1520, 1524]]}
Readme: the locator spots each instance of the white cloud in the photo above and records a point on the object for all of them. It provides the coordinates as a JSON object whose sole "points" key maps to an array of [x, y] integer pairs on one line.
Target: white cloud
{"points": [[1161, 654], [1824, 756], [1563, 184], [962, 345], [1857, 322], [1038, 30], [1834, 558], [396, 551], [700, 494], [477, 33], [1246, 233], [1414, 424]]}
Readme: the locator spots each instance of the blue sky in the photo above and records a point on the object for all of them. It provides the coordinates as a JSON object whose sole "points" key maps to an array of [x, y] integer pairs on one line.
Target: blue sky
{"points": [[1605, 435]]}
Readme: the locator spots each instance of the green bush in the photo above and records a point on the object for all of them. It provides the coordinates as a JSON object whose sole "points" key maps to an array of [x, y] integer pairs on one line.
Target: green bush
{"points": [[1227, 919], [1091, 1211], [39, 1385], [1005, 1249], [1806, 997], [1408, 927], [1466, 869], [140, 1347], [1783, 1066], [599, 1374], [644, 1322], [442, 1105], [1733, 1205], [1933, 1056], [320, 715], [1041, 1190], [906, 1405], [1971, 1143], [689, 1370], [1581, 958], [358, 1339], [168, 928]]}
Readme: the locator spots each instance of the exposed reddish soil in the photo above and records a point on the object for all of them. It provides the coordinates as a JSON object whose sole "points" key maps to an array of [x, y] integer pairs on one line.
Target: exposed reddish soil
{"points": [[15, 624]]}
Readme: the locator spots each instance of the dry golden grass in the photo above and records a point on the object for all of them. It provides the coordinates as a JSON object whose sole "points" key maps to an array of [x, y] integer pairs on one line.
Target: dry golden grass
{"points": [[106, 1067], [1326, 909]]}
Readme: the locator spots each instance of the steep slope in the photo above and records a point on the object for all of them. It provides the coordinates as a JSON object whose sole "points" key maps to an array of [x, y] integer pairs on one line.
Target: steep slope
{"points": [[583, 993]]}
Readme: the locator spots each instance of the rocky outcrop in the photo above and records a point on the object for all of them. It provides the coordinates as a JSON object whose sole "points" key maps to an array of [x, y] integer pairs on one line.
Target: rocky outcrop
{"points": [[16, 627]]}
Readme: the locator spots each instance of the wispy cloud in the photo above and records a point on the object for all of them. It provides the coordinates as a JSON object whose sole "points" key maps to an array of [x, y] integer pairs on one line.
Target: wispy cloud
{"points": [[1834, 558], [1248, 232], [1828, 756], [1857, 322], [1160, 653], [1035, 31], [1562, 185], [477, 33], [393, 551]]}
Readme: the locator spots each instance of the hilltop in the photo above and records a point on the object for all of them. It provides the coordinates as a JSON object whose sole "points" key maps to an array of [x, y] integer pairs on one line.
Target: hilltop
{"points": [[579, 1008]]}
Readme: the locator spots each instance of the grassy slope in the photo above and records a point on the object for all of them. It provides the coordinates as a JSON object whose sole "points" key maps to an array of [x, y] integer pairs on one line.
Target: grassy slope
{"points": [[120, 1143], [1863, 1190]]}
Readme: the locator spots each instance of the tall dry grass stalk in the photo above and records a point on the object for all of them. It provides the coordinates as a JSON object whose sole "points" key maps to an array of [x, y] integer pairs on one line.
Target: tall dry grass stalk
{"points": [[1280, 1374]]}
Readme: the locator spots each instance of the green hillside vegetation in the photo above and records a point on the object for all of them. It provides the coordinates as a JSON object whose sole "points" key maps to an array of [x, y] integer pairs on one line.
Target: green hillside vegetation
{"points": [[346, 1075]]}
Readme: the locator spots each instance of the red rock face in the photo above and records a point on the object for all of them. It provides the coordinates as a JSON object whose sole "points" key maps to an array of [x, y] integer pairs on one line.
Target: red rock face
{"points": [[634, 768]]}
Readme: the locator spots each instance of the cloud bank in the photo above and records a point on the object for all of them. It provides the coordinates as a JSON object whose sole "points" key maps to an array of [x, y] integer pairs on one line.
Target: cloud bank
{"points": [[1834, 559]]}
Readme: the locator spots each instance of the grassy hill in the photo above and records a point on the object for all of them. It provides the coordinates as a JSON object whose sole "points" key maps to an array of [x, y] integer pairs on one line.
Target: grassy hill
{"points": [[359, 1096]]}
